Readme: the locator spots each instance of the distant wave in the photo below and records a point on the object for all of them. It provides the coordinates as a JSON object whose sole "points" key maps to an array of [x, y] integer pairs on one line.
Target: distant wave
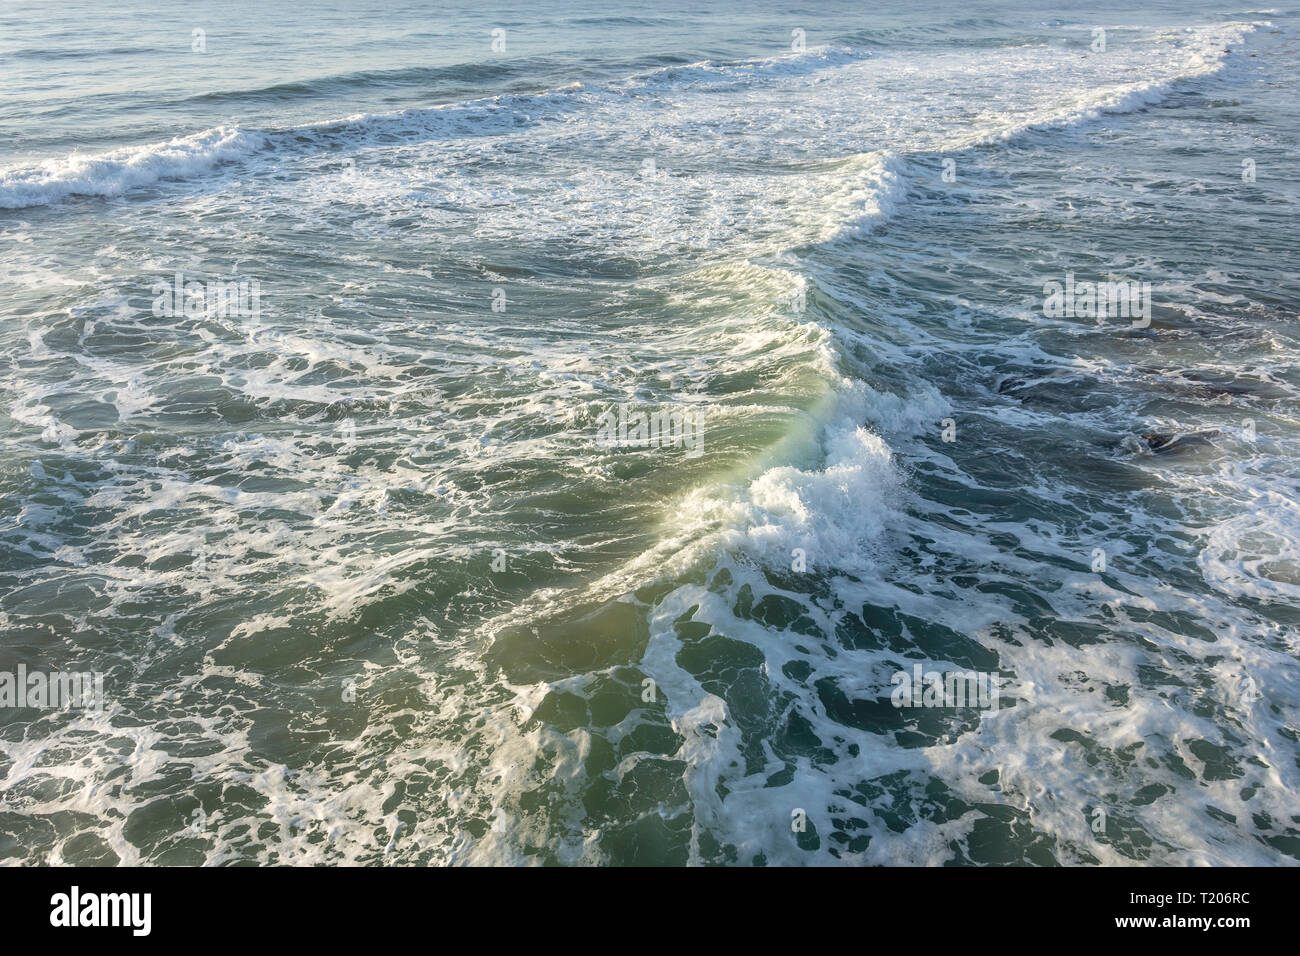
{"points": [[44, 53], [1208, 58], [113, 173], [462, 74], [788, 64], [116, 172]]}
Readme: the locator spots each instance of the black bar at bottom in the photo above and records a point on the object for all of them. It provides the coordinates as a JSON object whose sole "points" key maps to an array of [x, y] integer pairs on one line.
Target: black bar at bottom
{"points": [[336, 907]]}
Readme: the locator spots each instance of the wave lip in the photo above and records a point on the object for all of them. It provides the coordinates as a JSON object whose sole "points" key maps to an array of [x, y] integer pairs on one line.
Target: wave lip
{"points": [[877, 184], [115, 172]]}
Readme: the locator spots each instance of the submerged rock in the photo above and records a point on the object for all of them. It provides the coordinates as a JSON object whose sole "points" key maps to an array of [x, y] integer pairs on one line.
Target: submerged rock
{"points": [[1163, 444]]}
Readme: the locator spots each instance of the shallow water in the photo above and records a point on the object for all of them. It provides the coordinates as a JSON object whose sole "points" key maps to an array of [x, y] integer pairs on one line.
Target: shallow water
{"points": [[364, 581]]}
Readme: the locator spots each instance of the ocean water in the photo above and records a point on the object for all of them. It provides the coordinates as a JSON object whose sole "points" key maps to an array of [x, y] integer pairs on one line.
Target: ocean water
{"points": [[371, 575]]}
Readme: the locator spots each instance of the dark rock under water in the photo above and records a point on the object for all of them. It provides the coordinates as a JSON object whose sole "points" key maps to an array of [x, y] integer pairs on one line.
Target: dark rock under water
{"points": [[1164, 444]]}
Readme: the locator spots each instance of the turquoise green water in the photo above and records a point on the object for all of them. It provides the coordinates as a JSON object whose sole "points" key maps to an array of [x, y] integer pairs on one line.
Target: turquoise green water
{"points": [[364, 581]]}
